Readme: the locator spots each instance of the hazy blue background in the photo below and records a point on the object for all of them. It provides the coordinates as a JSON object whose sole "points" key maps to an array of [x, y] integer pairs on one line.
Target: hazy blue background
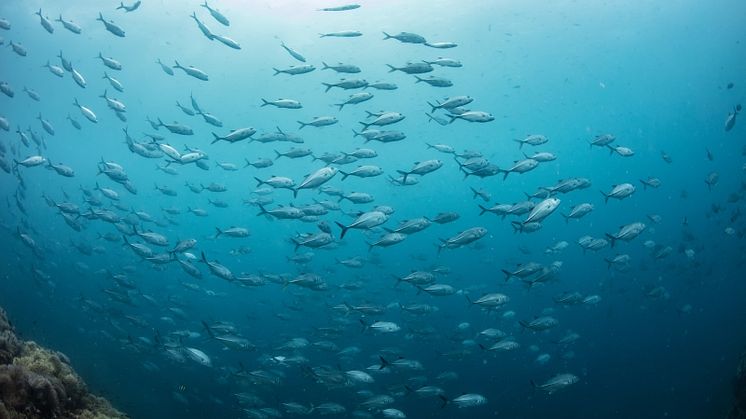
{"points": [[652, 73]]}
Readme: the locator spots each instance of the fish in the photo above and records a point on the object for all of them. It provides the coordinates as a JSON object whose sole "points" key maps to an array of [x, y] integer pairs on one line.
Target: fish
{"points": [[451, 102], [355, 99], [116, 84], [111, 26], [578, 211], [626, 232], [109, 62], [202, 27], [445, 62], [217, 269], [192, 71], [343, 8], [176, 128], [556, 383], [166, 69], [283, 103], [235, 135], [406, 37], [70, 26], [464, 400], [87, 112], [45, 23], [341, 34], [473, 116], [215, 13], [346, 84], [294, 70], [293, 53], [341, 68], [621, 191], [422, 168], [131, 8], [542, 210], [730, 121], [412, 68], [441, 45], [315, 179], [229, 42], [463, 238], [319, 121], [364, 221]]}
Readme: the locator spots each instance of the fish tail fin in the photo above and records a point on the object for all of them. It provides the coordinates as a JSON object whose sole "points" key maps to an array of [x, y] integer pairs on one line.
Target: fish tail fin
{"points": [[217, 138], [103, 96], [259, 182], [302, 124], [517, 227], [608, 263], [121, 6], [325, 65], [276, 72], [278, 154], [219, 232], [612, 239], [344, 229], [482, 208], [101, 18], [295, 192], [507, 274], [341, 105], [567, 218], [391, 68], [453, 118], [328, 86], [384, 362], [207, 328], [344, 174], [443, 400], [203, 257], [434, 109], [262, 210], [419, 79], [606, 197], [386, 36]]}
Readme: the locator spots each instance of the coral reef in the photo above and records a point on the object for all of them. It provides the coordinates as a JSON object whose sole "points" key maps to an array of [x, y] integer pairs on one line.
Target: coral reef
{"points": [[739, 391], [38, 383]]}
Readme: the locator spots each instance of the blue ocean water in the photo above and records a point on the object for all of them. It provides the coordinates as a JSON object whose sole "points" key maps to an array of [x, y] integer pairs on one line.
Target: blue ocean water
{"points": [[658, 332]]}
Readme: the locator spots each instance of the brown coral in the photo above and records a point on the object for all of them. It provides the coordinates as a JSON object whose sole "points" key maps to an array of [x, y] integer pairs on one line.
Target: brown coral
{"points": [[38, 383], [9, 344]]}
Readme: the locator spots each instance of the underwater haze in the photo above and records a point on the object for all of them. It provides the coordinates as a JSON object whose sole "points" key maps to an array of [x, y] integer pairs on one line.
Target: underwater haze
{"points": [[389, 209]]}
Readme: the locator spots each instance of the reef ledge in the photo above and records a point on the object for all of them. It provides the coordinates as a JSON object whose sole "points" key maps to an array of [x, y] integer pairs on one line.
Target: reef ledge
{"points": [[38, 383]]}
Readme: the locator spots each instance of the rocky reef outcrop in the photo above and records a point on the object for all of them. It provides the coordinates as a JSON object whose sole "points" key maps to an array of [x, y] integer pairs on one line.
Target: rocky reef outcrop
{"points": [[739, 391], [38, 383]]}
